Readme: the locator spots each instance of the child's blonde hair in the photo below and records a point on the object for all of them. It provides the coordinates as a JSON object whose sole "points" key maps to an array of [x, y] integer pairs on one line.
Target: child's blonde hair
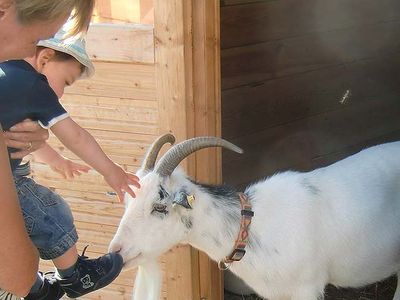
{"points": [[30, 11]]}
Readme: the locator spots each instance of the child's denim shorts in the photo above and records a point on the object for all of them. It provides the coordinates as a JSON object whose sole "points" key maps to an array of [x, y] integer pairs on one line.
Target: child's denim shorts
{"points": [[48, 218]]}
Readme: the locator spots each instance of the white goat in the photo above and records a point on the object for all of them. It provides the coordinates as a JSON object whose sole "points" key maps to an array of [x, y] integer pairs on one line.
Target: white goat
{"points": [[338, 224]]}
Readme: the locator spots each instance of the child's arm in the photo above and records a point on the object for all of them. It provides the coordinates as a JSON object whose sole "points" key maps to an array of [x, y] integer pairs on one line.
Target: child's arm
{"points": [[67, 168], [79, 141]]}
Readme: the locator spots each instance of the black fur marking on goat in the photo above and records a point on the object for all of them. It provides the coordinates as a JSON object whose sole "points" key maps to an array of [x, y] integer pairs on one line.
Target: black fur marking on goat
{"points": [[162, 193], [214, 239], [227, 203], [225, 193], [310, 187], [187, 221]]}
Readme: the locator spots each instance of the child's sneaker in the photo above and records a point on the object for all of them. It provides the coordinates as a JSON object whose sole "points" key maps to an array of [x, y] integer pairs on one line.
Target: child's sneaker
{"points": [[50, 290], [92, 274]]}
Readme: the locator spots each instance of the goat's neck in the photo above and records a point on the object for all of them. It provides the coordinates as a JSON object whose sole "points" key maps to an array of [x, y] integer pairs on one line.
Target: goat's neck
{"points": [[216, 220]]}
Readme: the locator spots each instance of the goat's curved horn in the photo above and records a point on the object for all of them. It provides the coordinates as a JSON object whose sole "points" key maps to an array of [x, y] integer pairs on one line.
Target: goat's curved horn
{"points": [[152, 153], [171, 159]]}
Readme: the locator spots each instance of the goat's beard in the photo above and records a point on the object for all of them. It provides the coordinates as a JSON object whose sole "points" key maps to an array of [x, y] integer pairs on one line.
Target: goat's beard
{"points": [[134, 262], [148, 281]]}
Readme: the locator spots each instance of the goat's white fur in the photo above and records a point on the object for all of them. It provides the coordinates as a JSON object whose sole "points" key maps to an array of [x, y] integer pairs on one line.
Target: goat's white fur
{"points": [[148, 281], [338, 224]]}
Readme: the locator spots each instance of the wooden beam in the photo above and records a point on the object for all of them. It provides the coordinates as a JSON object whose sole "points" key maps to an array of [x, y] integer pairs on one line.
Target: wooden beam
{"points": [[147, 11], [133, 43], [207, 117], [117, 11], [172, 97], [187, 61]]}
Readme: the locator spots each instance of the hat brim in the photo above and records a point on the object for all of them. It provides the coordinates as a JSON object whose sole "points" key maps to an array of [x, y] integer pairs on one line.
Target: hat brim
{"points": [[83, 58]]}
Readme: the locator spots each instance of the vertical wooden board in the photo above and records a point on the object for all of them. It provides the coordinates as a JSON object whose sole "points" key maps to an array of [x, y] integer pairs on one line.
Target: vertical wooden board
{"points": [[187, 80], [206, 94], [171, 96], [178, 273]]}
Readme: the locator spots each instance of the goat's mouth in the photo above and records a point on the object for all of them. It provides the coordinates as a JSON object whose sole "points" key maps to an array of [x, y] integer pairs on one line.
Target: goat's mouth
{"points": [[132, 262]]}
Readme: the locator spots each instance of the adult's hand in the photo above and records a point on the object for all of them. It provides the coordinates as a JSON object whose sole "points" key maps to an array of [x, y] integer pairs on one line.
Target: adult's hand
{"points": [[27, 136]]}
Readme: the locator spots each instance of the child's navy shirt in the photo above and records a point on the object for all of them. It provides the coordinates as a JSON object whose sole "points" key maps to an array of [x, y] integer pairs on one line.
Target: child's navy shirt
{"points": [[25, 93]]}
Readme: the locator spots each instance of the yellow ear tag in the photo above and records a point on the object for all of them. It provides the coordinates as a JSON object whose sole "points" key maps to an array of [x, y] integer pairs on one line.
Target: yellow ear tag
{"points": [[190, 200]]}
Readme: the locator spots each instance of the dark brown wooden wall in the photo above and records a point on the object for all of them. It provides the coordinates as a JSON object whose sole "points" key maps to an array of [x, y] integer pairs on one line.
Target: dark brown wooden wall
{"points": [[307, 82]]}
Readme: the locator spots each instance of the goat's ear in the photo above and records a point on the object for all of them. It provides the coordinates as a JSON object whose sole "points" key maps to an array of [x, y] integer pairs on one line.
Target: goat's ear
{"points": [[182, 198]]}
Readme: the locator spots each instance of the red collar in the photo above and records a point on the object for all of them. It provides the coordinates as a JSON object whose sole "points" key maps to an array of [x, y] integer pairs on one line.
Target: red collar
{"points": [[241, 241]]}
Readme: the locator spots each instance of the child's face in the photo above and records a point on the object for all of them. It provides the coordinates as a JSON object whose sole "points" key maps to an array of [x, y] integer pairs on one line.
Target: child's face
{"points": [[61, 74]]}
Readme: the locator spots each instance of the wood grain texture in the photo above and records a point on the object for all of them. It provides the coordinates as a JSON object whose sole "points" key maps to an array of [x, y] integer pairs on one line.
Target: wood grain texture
{"points": [[131, 43], [306, 83], [266, 21], [123, 12], [276, 102], [188, 86], [172, 95], [118, 80], [119, 108], [258, 63]]}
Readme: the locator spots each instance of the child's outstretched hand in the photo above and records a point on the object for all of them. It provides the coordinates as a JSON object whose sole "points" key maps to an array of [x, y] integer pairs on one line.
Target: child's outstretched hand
{"points": [[68, 169], [120, 180]]}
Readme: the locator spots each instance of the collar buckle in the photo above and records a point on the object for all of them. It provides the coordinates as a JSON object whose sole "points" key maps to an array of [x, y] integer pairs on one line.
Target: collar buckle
{"points": [[237, 254]]}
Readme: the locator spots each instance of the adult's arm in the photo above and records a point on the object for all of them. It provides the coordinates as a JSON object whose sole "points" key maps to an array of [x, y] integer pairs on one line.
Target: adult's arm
{"points": [[18, 256], [27, 136]]}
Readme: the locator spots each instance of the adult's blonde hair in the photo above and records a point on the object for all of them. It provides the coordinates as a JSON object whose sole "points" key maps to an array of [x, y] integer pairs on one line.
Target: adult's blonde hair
{"points": [[30, 11]]}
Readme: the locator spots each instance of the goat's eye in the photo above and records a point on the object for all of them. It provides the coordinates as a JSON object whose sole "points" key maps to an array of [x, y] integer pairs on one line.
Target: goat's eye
{"points": [[159, 207]]}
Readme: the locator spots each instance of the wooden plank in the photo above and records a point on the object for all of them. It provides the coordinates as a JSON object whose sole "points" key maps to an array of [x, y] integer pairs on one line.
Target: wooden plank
{"points": [[187, 72], [123, 113], [207, 119], [284, 100], [301, 144], [119, 157], [288, 57], [107, 101], [147, 12], [132, 43], [116, 126], [117, 11], [124, 12], [118, 80], [133, 151], [240, 2], [142, 140], [264, 21], [171, 94]]}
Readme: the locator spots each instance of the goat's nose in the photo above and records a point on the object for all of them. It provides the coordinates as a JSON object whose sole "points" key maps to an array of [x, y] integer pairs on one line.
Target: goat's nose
{"points": [[115, 247]]}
